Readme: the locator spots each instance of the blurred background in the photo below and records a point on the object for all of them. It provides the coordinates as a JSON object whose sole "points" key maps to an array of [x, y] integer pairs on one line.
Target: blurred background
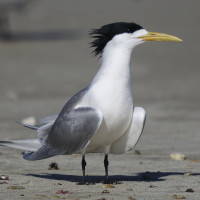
{"points": [[45, 59]]}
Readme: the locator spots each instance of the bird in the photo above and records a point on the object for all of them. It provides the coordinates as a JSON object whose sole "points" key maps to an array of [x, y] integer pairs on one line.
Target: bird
{"points": [[101, 118]]}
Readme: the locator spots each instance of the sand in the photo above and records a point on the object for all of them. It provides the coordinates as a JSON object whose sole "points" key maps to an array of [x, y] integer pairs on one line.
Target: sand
{"points": [[48, 60]]}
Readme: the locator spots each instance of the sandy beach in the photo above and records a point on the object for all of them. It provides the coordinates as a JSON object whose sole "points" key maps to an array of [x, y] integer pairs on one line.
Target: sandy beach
{"points": [[48, 59]]}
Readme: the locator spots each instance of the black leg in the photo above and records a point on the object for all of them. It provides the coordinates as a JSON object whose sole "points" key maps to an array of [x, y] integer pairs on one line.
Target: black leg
{"points": [[106, 163], [83, 167]]}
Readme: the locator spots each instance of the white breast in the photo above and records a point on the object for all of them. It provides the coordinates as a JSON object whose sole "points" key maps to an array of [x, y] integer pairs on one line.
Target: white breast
{"points": [[115, 102]]}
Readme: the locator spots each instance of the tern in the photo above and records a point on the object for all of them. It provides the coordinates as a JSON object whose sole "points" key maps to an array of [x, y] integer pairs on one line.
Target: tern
{"points": [[102, 117]]}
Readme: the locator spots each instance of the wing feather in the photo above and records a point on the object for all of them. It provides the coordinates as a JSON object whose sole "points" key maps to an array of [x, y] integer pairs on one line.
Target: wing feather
{"points": [[42, 153], [72, 131]]}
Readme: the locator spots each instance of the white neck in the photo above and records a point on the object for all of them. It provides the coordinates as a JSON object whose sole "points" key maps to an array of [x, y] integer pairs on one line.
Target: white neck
{"points": [[116, 65]]}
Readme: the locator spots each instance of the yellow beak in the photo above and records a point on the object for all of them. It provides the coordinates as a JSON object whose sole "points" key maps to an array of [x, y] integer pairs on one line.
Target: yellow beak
{"points": [[153, 36]]}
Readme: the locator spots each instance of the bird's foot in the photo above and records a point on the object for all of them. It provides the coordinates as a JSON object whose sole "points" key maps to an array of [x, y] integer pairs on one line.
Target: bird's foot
{"points": [[106, 181], [81, 183], [85, 183]]}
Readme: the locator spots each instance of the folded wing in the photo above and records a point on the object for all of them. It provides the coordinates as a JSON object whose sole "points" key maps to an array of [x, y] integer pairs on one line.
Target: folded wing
{"points": [[69, 134], [72, 131]]}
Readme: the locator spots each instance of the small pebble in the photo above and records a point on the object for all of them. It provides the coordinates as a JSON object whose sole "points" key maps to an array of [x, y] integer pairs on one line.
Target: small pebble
{"points": [[189, 190], [106, 191], [194, 160], [53, 166], [63, 192], [178, 197], [15, 187], [4, 182], [177, 156], [188, 174], [4, 177], [29, 120], [152, 186], [109, 186], [55, 197], [101, 199], [137, 152]]}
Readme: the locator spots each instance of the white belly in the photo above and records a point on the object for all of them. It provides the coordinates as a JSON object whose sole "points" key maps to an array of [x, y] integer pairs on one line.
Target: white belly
{"points": [[117, 108]]}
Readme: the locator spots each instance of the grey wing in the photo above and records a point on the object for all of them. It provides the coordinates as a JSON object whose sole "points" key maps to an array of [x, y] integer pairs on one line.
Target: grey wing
{"points": [[44, 152], [67, 107], [50, 137], [72, 131]]}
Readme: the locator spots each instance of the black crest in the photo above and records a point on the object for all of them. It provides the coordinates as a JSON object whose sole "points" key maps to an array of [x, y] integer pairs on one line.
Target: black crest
{"points": [[104, 34]]}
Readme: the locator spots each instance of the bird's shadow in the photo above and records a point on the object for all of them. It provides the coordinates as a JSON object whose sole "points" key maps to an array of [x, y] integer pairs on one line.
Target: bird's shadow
{"points": [[143, 176], [42, 36]]}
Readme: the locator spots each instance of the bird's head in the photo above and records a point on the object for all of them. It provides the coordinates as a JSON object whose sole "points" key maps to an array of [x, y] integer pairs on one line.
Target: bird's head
{"points": [[125, 34]]}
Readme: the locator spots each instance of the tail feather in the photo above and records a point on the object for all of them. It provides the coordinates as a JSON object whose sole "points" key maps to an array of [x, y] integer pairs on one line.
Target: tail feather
{"points": [[26, 144], [34, 127], [37, 148], [42, 153]]}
